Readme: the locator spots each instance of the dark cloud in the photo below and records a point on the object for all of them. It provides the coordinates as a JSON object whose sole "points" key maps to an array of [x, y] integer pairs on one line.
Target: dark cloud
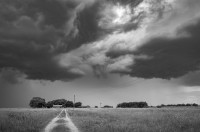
{"points": [[35, 33], [31, 34], [170, 46], [126, 2], [36, 62], [87, 26], [171, 58], [56, 12], [112, 53]]}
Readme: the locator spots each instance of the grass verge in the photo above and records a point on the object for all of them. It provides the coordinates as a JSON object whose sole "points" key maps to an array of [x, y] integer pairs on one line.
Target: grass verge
{"points": [[25, 120]]}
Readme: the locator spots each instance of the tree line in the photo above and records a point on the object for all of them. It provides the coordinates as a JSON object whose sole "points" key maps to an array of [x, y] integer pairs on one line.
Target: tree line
{"points": [[133, 105], [37, 102], [177, 105]]}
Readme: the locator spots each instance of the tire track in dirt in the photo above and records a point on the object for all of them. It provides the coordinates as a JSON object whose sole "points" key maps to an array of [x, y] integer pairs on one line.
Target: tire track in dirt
{"points": [[61, 123]]}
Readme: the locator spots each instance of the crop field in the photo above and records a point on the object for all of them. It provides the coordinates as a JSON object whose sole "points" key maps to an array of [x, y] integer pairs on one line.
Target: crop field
{"points": [[105, 120], [137, 120], [25, 120]]}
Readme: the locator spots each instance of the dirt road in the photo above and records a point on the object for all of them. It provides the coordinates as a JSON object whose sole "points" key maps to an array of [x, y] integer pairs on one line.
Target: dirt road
{"points": [[61, 123]]}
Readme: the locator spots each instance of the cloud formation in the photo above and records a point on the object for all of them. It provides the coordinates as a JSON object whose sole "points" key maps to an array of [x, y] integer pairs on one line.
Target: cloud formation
{"points": [[33, 32], [67, 39], [172, 58], [152, 49]]}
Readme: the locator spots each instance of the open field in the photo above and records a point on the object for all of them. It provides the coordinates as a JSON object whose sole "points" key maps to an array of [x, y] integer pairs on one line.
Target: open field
{"points": [[137, 120], [25, 120], [105, 120]]}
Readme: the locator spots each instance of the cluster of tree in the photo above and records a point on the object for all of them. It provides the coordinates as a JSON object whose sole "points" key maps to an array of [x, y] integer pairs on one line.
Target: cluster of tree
{"points": [[177, 105], [87, 106], [133, 105], [107, 106], [62, 102], [37, 102]]}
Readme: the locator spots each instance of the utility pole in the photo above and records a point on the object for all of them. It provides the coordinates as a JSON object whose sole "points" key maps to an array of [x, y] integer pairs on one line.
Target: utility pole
{"points": [[100, 104], [74, 102]]}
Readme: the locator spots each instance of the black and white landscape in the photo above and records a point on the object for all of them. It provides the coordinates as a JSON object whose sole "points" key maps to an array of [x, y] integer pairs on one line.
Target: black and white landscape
{"points": [[100, 53]]}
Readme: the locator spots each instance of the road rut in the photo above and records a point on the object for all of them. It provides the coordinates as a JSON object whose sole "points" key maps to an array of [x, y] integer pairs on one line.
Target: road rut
{"points": [[61, 123]]}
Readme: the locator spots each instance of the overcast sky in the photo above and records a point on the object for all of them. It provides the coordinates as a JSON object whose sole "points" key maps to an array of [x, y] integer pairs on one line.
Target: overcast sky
{"points": [[107, 51]]}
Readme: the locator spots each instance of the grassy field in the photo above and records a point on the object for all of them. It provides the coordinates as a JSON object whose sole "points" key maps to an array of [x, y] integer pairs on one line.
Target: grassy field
{"points": [[137, 120], [25, 120], [105, 120]]}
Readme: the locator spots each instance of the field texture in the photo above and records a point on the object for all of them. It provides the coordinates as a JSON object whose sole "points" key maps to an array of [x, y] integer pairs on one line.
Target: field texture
{"points": [[25, 120], [137, 120]]}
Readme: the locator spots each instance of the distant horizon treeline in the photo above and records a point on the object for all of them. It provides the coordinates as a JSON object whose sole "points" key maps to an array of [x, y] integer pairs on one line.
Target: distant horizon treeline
{"points": [[37, 102], [177, 105], [133, 105]]}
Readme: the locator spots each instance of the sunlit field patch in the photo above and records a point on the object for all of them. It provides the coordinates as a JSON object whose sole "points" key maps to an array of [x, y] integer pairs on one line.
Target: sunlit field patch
{"points": [[139, 120], [25, 120]]}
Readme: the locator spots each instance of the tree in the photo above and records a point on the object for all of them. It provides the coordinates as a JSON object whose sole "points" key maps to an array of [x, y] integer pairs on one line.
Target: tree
{"points": [[37, 102], [194, 104], [188, 104], [107, 106], [59, 102], [78, 104], [133, 105], [69, 104], [49, 104]]}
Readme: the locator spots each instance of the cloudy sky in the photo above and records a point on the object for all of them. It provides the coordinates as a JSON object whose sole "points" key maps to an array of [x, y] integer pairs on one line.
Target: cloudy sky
{"points": [[107, 51]]}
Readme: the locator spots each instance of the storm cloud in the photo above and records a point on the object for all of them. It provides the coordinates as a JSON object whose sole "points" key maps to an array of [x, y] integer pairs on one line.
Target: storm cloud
{"points": [[33, 32], [68, 39], [111, 50]]}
